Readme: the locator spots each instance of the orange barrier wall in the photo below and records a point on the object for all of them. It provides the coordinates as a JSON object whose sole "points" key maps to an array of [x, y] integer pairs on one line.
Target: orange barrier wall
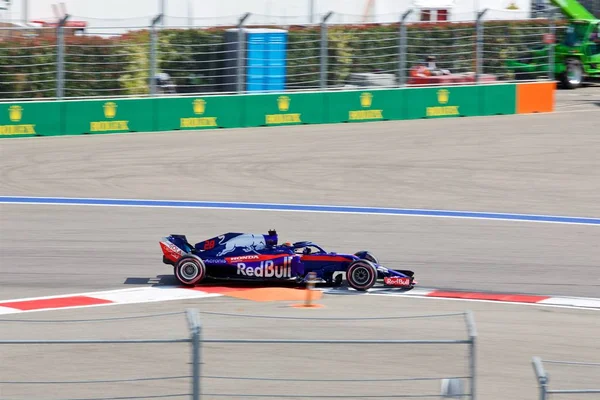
{"points": [[536, 97]]}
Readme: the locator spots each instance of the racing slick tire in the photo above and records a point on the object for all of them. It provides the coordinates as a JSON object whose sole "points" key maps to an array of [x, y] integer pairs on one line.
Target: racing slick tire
{"points": [[361, 275], [365, 255], [190, 270]]}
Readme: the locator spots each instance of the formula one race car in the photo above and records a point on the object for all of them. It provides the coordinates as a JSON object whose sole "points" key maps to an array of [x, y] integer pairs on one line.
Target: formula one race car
{"points": [[258, 257]]}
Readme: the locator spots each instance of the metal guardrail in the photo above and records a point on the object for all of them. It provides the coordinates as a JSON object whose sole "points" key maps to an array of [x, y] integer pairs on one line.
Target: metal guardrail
{"points": [[543, 379], [193, 340], [452, 386]]}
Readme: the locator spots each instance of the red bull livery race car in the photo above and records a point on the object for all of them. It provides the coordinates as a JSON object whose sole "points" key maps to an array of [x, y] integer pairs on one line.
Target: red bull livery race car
{"points": [[259, 257]]}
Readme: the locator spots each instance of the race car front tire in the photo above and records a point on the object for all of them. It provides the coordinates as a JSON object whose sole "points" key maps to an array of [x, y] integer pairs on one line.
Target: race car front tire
{"points": [[361, 275], [365, 255], [190, 270]]}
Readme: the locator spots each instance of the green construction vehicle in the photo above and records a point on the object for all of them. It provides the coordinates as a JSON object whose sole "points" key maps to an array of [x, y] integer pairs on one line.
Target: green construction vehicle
{"points": [[576, 55]]}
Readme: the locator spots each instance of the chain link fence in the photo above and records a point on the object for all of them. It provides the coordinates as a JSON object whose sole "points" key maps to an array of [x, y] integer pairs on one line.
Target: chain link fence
{"points": [[118, 61], [28, 61], [411, 356], [577, 380], [94, 66]]}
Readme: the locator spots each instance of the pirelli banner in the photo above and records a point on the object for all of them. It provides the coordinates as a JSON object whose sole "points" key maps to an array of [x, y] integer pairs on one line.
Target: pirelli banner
{"points": [[364, 105], [195, 113], [24, 119], [109, 116], [283, 109]]}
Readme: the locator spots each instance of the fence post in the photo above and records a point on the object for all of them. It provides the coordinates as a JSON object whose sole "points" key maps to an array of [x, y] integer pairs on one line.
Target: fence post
{"points": [[324, 49], [195, 330], [479, 48], [472, 355], [153, 58], [402, 49], [163, 10], [240, 53], [541, 376], [60, 57], [551, 46]]}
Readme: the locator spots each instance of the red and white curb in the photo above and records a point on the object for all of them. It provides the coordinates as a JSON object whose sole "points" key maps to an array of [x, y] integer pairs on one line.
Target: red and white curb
{"points": [[105, 298], [554, 301], [170, 293]]}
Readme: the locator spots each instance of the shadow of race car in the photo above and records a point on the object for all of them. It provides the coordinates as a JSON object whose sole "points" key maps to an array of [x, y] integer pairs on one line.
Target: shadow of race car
{"points": [[259, 257]]}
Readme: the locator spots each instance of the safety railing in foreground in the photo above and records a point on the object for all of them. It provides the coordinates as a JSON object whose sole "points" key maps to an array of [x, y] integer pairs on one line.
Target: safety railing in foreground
{"points": [[316, 375], [40, 387], [543, 378], [203, 350]]}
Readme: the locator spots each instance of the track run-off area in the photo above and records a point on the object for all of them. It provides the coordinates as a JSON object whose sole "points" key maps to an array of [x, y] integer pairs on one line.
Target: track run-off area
{"points": [[498, 206]]}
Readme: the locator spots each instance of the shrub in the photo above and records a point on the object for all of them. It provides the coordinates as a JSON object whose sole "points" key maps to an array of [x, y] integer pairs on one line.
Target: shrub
{"points": [[194, 57]]}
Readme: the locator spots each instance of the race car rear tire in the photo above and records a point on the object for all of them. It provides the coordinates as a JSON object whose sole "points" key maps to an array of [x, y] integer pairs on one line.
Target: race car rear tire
{"points": [[361, 275], [190, 270]]}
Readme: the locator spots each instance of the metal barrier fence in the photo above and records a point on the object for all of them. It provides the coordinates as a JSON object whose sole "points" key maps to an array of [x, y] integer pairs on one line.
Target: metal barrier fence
{"points": [[591, 379], [375, 363], [151, 60], [291, 366], [96, 362]]}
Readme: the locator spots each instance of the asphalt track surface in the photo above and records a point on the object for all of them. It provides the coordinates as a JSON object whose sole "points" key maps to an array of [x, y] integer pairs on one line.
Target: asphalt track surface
{"points": [[541, 164]]}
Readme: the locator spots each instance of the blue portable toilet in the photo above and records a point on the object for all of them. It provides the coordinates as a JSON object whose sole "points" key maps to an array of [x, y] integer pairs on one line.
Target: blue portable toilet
{"points": [[277, 57], [265, 59]]}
